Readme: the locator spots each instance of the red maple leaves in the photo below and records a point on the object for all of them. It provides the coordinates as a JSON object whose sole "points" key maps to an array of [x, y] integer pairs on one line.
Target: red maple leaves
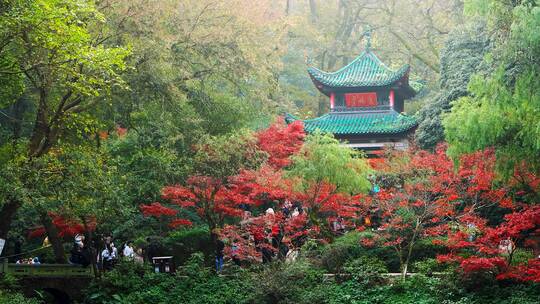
{"points": [[422, 195], [161, 212], [215, 200], [67, 227], [281, 141], [479, 247], [157, 210], [434, 199]]}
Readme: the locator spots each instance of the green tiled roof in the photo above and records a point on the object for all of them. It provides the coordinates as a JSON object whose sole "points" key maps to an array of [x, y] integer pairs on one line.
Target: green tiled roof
{"points": [[359, 123], [365, 71]]}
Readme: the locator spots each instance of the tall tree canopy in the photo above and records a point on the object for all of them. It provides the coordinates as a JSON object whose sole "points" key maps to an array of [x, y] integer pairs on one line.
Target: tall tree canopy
{"points": [[460, 58], [66, 68], [502, 110]]}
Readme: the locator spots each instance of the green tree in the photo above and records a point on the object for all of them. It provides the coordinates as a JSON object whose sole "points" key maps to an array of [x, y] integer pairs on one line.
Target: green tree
{"points": [[324, 160], [224, 156], [75, 183], [329, 174], [207, 63], [149, 156], [495, 116], [502, 110], [67, 70], [461, 57]]}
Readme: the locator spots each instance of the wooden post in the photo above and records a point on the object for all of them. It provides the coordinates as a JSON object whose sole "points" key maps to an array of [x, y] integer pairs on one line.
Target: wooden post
{"points": [[4, 268], [332, 100], [391, 97]]}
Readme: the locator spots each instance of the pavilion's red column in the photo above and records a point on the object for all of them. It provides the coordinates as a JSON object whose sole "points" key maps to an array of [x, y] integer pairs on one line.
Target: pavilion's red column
{"points": [[332, 100], [391, 97]]}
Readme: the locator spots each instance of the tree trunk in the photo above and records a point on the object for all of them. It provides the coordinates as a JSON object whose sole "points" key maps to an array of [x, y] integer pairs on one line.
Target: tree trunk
{"points": [[6, 216], [41, 126], [313, 11], [89, 241], [288, 7], [404, 271], [410, 249], [212, 228], [40, 129], [54, 239]]}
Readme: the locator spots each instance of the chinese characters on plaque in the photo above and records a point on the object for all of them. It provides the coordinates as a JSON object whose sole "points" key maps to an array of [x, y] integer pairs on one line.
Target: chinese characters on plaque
{"points": [[357, 100]]}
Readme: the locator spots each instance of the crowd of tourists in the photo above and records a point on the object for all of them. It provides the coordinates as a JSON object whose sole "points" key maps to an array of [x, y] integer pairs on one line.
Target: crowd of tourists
{"points": [[106, 258], [269, 241], [29, 261]]}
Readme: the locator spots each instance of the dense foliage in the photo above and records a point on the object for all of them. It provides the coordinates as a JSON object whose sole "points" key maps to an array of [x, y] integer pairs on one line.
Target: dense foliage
{"points": [[503, 109], [461, 57], [301, 282]]}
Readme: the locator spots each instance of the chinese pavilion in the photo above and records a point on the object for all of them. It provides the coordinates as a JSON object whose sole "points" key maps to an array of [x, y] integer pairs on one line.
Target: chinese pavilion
{"points": [[366, 104]]}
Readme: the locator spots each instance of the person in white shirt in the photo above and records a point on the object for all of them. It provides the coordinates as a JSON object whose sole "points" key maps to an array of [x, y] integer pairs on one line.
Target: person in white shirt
{"points": [[128, 250], [114, 252], [109, 256], [292, 255]]}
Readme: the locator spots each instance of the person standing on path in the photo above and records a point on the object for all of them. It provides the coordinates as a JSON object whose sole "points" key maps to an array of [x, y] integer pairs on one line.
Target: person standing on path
{"points": [[128, 251], [220, 246]]}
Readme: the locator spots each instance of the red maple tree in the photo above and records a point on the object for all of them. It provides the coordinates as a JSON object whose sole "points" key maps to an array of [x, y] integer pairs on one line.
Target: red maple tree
{"points": [[255, 234], [292, 215], [207, 196], [67, 227], [281, 141], [482, 248], [424, 195], [217, 199], [468, 209]]}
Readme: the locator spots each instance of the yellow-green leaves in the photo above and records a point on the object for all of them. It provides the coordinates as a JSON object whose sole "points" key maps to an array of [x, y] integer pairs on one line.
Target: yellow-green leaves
{"points": [[323, 159], [496, 116]]}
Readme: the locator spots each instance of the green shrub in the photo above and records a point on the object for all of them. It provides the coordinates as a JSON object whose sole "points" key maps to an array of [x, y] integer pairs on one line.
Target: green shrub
{"points": [[9, 297], [136, 284], [185, 242], [429, 266], [366, 270], [425, 249], [125, 277], [301, 282], [521, 256], [312, 249], [512, 294], [298, 282], [8, 282], [335, 255]]}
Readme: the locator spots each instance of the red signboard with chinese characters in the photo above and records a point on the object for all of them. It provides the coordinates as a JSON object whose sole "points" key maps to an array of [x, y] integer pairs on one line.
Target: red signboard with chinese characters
{"points": [[354, 100]]}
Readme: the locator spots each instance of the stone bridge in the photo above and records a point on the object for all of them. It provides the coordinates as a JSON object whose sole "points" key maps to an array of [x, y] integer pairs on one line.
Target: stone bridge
{"points": [[63, 282]]}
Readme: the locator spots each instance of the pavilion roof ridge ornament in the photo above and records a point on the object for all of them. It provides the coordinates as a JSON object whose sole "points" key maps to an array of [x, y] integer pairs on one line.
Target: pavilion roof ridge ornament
{"points": [[307, 59], [366, 70], [366, 100], [367, 35]]}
